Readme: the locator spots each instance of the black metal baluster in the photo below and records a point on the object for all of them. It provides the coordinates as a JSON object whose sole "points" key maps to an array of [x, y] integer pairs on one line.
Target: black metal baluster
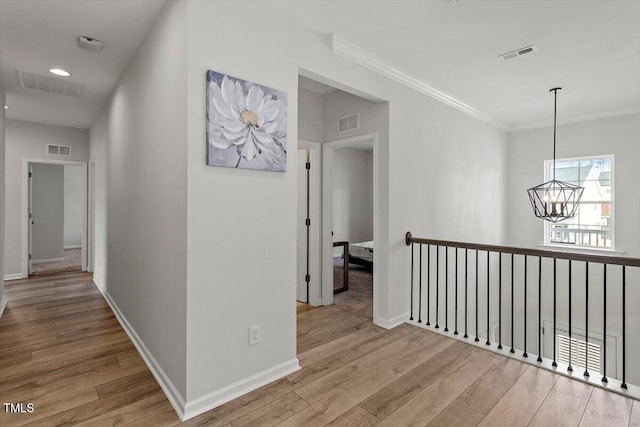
{"points": [[420, 286], [539, 309], [604, 327], [411, 310], [569, 368], [466, 275], [455, 332], [437, 283], [512, 303], [446, 289], [624, 327], [477, 339], [428, 283], [554, 364], [500, 300], [586, 321], [488, 299], [525, 308]]}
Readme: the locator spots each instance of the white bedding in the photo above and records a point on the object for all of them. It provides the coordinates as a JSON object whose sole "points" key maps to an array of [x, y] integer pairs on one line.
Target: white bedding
{"points": [[362, 250]]}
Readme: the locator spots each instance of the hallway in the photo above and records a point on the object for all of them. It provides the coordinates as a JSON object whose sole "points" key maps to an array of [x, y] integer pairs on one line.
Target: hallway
{"points": [[62, 349]]}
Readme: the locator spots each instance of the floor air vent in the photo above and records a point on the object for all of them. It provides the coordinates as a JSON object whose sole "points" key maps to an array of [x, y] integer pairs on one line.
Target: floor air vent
{"points": [[49, 84]]}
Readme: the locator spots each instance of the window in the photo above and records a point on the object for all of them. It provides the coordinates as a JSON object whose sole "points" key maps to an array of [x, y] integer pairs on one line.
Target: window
{"points": [[592, 226]]}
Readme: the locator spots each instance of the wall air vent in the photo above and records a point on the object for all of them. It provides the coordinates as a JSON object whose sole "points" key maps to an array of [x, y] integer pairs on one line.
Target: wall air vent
{"points": [[350, 122], [49, 84], [90, 44], [59, 150], [518, 52]]}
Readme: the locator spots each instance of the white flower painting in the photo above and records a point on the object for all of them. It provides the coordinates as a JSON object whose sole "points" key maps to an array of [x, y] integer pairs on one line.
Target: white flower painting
{"points": [[246, 124]]}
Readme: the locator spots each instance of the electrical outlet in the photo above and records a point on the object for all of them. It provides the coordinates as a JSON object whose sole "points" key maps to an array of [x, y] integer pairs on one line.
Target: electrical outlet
{"points": [[254, 335]]}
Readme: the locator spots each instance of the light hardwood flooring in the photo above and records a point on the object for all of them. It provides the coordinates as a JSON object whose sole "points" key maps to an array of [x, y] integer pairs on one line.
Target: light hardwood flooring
{"points": [[62, 349]]}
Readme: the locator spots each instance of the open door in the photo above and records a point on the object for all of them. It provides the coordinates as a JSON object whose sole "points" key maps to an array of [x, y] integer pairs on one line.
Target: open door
{"points": [[302, 276], [30, 222]]}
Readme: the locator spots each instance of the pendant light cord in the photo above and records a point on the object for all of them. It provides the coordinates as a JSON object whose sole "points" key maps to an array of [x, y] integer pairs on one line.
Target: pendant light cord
{"points": [[555, 107]]}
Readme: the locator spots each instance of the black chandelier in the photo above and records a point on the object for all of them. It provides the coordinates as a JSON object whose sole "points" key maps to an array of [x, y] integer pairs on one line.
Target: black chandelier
{"points": [[554, 200]]}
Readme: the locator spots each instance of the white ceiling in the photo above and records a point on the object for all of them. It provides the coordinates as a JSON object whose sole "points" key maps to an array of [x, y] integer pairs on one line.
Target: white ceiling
{"points": [[36, 35], [590, 48]]}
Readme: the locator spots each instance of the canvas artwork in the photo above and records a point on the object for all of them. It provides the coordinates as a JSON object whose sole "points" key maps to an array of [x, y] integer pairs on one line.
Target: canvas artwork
{"points": [[246, 124]]}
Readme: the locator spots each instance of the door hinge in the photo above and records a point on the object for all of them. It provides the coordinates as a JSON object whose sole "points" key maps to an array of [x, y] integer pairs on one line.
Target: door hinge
{"points": [[308, 221], [308, 165], [307, 278], [30, 174], [30, 215], [29, 256]]}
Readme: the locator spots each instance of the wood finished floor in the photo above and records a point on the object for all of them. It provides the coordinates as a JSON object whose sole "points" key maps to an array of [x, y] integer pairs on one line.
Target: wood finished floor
{"points": [[62, 349]]}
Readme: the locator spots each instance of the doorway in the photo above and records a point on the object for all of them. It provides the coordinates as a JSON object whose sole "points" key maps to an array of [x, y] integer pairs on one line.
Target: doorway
{"points": [[349, 215], [55, 212]]}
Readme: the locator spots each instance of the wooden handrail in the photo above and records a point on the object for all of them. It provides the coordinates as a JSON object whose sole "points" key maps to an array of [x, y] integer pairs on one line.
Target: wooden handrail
{"points": [[604, 259]]}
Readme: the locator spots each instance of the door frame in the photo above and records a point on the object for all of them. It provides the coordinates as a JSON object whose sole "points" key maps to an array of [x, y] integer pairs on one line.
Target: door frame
{"points": [[328, 149], [26, 194], [315, 199]]}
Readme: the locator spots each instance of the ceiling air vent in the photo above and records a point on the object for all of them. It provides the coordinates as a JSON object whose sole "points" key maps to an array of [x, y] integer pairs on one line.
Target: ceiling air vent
{"points": [[59, 150], [350, 122], [518, 52], [49, 84], [90, 44]]}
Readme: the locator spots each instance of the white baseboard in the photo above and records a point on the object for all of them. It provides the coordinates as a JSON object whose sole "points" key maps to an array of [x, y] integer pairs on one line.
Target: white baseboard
{"points": [[211, 400], [167, 386], [73, 247], [3, 304], [393, 322], [14, 276], [187, 410], [40, 261]]}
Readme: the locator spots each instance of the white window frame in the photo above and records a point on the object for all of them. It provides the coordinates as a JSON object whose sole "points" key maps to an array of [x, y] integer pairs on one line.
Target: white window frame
{"points": [[547, 225]]}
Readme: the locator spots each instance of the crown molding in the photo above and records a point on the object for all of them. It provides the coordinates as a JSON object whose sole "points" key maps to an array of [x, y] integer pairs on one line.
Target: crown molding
{"points": [[577, 119], [368, 60]]}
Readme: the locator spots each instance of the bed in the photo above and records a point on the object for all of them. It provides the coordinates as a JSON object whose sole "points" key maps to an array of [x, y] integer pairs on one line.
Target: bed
{"points": [[361, 254]]}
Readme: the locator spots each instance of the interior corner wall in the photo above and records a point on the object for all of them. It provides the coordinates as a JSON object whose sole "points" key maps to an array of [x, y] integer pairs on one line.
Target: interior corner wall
{"points": [[352, 195], [138, 151], [310, 116], [529, 149], [438, 170], [2, 186], [28, 140]]}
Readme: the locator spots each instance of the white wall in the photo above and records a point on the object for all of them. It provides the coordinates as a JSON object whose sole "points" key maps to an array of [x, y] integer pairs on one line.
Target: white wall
{"points": [[433, 159], [47, 240], [28, 140], [352, 195], [310, 116], [73, 205], [527, 150], [138, 148]]}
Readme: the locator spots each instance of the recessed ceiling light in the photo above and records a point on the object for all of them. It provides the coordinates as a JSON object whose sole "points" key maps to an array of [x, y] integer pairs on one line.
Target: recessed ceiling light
{"points": [[6, 107], [59, 72]]}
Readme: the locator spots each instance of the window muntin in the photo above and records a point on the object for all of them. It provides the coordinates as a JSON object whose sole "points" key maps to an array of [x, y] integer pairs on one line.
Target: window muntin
{"points": [[592, 226]]}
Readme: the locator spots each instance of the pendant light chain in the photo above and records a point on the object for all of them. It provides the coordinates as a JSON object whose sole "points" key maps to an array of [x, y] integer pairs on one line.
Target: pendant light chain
{"points": [[555, 113]]}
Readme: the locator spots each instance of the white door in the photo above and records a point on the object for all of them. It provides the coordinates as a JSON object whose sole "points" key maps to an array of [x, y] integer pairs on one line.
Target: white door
{"points": [[301, 293], [30, 213]]}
